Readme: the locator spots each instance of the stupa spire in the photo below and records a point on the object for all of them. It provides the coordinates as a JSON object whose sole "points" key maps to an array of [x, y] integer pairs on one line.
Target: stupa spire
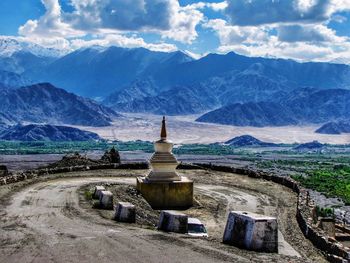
{"points": [[163, 131]]}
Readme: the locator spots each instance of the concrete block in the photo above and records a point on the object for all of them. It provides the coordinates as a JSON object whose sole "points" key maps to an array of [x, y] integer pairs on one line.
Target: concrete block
{"points": [[125, 212], [173, 221], [106, 200], [251, 231], [97, 191]]}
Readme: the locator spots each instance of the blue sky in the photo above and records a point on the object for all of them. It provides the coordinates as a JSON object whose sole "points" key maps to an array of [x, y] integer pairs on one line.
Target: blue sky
{"points": [[305, 30]]}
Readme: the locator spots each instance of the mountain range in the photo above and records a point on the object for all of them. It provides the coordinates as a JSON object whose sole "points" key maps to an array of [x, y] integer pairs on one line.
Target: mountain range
{"points": [[334, 127], [44, 103], [229, 88], [96, 72], [34, 132], [301, 106]]}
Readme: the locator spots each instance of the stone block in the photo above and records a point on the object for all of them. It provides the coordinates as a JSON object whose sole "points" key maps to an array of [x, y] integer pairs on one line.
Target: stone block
{"points": [[97, 191], [125, 212], [106, 200], [251, 231], [328, 225], [173, 221], [167, 195]]}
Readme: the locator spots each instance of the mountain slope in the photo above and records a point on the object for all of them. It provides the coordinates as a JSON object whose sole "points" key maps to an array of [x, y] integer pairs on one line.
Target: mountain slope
{"points": [[97, 72], [25, 63], [176, 101], [257, 114], [13, 80], [9, 46], [247, 140], [337, 127], [35, 132], [321, 75], [44, 103], [228, 88], [302, 106]]}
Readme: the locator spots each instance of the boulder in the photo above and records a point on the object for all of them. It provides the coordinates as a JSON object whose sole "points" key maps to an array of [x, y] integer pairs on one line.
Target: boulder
{"points": [[3, 171], [125, 212], [106, 200], [98, 190], [251, 231], [173, 221]]}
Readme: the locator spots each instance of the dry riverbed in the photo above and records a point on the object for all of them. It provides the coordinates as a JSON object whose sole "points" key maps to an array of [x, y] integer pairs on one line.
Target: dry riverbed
{"points": [[50, 220]]}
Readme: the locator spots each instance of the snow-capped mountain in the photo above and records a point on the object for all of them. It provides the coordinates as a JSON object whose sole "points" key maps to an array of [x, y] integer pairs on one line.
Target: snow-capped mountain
{"points": [[10, 45]]}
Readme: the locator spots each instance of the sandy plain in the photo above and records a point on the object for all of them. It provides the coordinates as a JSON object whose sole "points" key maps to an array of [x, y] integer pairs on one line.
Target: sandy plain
{"points": [[184, 129]]}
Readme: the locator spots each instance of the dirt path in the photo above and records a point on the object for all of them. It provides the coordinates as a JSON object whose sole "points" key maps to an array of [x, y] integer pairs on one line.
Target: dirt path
{"points": [[44, 223]]}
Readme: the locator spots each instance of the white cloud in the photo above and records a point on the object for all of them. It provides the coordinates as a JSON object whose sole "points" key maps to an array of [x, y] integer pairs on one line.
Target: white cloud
{"points": [[215, 6], [50, 24], [296, 29], [125, 15], [308, 33], [229, 35], [164, 17], [184, 22], [121, 41], [303, 43], [259, 12]]}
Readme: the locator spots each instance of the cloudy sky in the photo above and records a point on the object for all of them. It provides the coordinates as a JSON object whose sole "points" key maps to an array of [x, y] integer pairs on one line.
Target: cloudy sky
{"points": [[305, 30]]}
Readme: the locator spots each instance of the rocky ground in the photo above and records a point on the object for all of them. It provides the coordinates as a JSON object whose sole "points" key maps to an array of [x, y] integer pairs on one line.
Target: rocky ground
{"points": [[50, 220]]}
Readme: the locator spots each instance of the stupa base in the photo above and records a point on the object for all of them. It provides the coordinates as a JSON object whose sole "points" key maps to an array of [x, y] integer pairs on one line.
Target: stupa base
{"points": [[166, 195]]}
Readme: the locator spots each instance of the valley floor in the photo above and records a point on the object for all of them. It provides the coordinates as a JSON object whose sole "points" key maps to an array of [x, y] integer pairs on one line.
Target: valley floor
{"points": [[184, 129]]}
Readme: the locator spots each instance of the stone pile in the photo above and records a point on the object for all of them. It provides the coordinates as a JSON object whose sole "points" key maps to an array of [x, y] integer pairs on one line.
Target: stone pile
{"points": [[111, 156]]}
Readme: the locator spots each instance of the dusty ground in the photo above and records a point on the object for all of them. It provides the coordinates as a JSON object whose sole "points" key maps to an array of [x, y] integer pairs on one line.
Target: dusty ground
{"points": [[184, 129], [48, 221]]}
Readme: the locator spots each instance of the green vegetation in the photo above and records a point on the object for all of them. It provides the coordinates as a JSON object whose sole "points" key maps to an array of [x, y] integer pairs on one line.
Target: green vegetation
{"points": [[14, 147], [88, 195], [334, 182], [207, 149], [328, 173], [324, 212]]}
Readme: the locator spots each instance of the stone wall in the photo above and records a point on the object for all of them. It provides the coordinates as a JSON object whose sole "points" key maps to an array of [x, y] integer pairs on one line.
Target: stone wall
{"points": [[13, 178]]}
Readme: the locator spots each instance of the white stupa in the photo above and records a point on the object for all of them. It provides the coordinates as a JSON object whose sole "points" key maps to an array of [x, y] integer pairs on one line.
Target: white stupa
{"points": [[163, 162], [163, 187]]}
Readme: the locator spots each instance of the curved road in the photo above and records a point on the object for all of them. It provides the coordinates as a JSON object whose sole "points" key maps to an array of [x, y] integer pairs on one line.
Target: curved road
{"points": [[44, 223]]}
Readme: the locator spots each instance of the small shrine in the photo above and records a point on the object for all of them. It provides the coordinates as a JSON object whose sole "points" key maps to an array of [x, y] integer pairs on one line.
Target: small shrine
{"points": [[163, 187]]}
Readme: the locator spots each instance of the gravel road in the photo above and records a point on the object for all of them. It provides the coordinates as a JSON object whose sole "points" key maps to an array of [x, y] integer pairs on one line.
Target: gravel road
{"points": [[43, 222]]}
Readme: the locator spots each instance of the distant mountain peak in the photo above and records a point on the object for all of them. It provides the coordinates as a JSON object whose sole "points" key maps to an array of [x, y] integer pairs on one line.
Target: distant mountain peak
{"points": [[247, 140], [10, 45]]}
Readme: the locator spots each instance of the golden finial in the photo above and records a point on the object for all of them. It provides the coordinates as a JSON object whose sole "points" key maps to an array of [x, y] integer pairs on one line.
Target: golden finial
{"points": [[163, 132]]}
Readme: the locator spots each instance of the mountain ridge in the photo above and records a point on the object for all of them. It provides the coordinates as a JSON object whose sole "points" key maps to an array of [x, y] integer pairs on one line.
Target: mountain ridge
{"points": [[35, 132], [44, 103]]}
